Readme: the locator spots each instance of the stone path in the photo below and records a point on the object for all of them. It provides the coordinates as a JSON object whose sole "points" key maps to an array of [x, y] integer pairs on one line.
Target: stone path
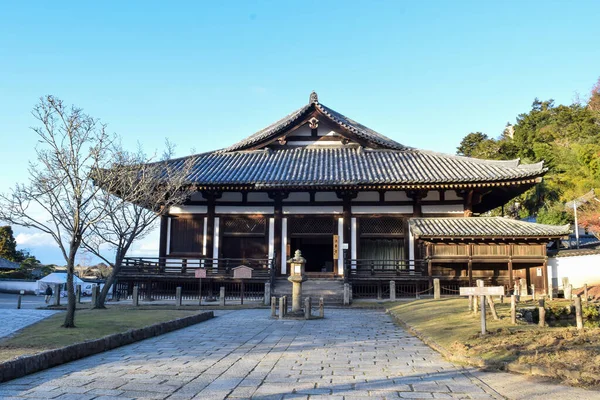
{"points": [[243, 354], [13, 320]]}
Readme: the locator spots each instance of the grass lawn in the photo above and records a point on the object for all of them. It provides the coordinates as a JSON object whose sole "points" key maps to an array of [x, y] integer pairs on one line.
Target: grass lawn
{"points": [[449, 323], [91, 324]]}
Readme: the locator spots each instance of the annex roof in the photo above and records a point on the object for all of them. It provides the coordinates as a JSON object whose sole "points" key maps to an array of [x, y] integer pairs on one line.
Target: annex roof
{"points": [[482, 227], [7, 264]]}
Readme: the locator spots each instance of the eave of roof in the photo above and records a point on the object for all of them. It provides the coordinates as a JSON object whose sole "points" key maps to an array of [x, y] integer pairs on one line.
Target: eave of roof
{"points": [[482, 227]]}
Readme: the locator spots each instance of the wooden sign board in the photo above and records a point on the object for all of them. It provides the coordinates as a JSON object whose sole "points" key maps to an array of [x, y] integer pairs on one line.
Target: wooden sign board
{"points": [[336, 248], [482, 291], [242, 272], [200, 273]]}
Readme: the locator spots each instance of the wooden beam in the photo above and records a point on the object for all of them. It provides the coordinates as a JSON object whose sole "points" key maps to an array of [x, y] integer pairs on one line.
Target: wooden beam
{"points": [[164, 231]]}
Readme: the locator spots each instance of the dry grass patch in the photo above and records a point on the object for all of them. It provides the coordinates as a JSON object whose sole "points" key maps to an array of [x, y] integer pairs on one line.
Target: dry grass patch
{"points": [[449, 324], [91, 324]]}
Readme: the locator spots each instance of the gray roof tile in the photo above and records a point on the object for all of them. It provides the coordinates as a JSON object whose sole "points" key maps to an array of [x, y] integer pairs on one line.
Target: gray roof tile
{"points": [[482, 227]]}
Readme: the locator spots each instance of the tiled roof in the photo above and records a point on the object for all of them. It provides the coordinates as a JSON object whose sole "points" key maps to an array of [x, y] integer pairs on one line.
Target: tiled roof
{"points": [[338, 166], [6, 264], [275, 129], [482, 227]]}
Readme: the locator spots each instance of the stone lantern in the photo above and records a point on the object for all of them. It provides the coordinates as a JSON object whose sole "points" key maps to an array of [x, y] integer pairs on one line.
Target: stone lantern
{"points": [[297, 276]]}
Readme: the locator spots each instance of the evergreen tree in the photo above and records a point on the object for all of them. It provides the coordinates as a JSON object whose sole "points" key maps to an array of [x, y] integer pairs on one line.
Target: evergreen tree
{"points": [[8, 244]]}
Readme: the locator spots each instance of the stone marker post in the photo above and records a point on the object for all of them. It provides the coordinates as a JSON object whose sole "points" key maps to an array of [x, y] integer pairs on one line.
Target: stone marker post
{"points": [[517, 290], [19, 297], [475, 305], [321, 308], [285, 305], [78, 294], [436, 289], [222, 296], [392, 290], [585, 293], [513, 309], [533, 292], [523, 290], [273, 307], [470, 303], [578, 313], [482, 305], [281, 307], [346, 294], [56, 295], [178, 300], [542, 313], [569, 292], [307, 308], [267, 294], [135, 297], [550, 290]]}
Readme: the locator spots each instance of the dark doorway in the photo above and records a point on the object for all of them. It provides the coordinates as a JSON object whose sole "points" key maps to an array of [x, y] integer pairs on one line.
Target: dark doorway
{"points": [[318, 252]]}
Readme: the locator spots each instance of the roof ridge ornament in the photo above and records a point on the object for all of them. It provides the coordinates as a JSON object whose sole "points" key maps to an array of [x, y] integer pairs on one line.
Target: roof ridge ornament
{"points": [[314, 98]]}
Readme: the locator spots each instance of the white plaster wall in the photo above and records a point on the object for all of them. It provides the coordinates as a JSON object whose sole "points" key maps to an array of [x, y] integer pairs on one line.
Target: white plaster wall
{"points": [[579, 269], [244, 210], [188, 210], [15, 286], [432, 195], [382, 209], [229, 196], [298, 196], [396, 196], [259, 196], [312, 210], [443, 209], [326, 196], [367, 196], [451, 195]]}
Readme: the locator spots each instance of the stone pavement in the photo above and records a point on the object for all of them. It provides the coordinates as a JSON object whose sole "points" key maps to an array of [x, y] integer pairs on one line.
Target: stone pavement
{"points": [[243, 354], [13, 320]]}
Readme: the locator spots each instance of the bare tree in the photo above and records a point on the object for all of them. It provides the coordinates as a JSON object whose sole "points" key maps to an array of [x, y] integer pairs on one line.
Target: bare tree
{"points": [[136, 192], [58, 200]]}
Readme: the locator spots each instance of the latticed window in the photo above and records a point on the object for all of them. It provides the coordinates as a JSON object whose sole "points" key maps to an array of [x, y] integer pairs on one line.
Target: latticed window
{"points": [[381, 226], [244, 225], [312, 226]]}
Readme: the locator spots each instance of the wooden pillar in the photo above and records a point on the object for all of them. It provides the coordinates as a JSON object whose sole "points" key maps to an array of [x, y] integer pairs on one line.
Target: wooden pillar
{"points": [[468, 205], [164, 231], [277, 237], [510, 274], [417, 196], [347, 215], [470, 263], [545, 275], [210, 224]]}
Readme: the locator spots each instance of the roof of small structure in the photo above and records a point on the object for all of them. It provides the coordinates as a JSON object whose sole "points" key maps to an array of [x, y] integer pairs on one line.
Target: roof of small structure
{"points": [[7, 264], [482, 227], [369, 160]]}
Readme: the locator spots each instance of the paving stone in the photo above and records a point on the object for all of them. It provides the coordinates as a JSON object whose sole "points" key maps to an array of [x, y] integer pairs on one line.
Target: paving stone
{"points": [[245, 354]]}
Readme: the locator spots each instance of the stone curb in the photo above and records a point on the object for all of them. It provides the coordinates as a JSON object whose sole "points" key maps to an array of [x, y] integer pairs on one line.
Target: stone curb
{"points": [[29, 364], [524, 369]]}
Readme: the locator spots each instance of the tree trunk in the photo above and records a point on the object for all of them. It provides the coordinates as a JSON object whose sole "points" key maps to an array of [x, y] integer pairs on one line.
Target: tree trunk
{"points": [[71, 303], [101, 299]]}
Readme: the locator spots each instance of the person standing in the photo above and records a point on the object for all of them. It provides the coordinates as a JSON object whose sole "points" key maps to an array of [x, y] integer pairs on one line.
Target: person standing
{"points": [[48, 293]]}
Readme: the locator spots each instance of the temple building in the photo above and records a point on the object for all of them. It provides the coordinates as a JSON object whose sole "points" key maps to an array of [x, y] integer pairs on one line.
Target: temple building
{"points": [[363, 209]]}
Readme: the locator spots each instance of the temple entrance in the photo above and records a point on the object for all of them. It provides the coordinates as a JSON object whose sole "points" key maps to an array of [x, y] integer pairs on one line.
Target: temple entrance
{"points": [[313, 235], [318, 252]]}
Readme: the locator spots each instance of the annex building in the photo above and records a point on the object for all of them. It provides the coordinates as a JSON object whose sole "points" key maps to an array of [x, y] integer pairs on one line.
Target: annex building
{"points": [[361, 207]]}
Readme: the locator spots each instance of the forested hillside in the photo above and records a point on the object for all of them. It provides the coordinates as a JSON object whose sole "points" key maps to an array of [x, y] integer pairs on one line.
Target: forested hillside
{"points": [[565, 137]]}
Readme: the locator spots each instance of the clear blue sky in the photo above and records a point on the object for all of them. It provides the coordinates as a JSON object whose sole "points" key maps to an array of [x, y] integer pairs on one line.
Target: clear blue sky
{"points": [[205, 74]]}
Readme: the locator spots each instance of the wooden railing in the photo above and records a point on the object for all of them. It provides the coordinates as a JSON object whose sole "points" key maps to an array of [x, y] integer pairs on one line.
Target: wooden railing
{"points": [[186, 267], [385, 269]]}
